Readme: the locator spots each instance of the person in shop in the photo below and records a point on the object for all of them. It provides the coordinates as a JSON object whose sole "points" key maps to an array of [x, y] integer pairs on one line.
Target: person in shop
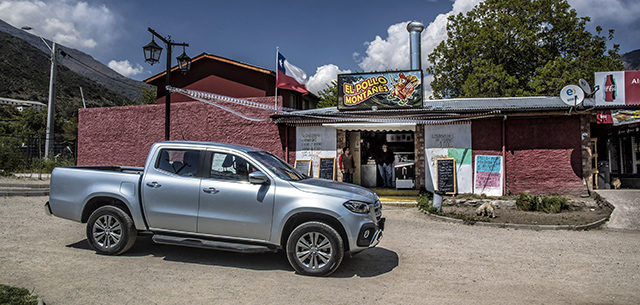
{"points": [[385, 165], [347, 165]]}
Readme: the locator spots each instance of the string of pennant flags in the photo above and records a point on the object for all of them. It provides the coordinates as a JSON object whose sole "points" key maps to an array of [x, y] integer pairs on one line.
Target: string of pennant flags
{"points": [[210, 99]]}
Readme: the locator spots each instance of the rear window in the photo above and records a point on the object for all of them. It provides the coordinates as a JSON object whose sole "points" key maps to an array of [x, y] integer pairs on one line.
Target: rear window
{"points": [[180, 162]]}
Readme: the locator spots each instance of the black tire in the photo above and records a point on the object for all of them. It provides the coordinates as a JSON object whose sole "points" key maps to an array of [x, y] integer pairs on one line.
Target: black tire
{"points": [[110, 231], [315, 248]]}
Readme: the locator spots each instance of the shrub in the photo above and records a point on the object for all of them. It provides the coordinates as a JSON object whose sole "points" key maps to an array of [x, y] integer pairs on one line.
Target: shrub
{"points": [[553, 204], [18, 296], [425, 202], [547, 204]]}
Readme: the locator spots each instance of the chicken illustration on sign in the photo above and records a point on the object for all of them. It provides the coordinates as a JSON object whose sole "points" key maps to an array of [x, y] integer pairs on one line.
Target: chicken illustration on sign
{"points": [[381, 90]]}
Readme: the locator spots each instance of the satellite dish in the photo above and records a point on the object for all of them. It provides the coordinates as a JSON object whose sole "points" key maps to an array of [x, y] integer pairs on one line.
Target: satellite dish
{"points": [[572, 95], [585, 86]]}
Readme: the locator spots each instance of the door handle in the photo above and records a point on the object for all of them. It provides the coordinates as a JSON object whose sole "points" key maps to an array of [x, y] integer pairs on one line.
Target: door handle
{"points": [[154, 184], [211, 190]]}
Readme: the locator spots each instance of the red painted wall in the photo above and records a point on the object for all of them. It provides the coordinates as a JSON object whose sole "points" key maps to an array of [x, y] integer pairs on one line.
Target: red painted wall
{"points": [[543, 155], [123, 135]]}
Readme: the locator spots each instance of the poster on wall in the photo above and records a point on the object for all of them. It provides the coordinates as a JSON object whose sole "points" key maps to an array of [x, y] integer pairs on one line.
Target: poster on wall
{"points": [[449, 141], [314, 143], [399, 89], [488, 175]]}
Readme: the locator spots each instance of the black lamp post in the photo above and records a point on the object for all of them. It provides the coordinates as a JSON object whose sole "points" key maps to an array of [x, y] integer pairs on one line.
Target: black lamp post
{"points": [[152, 53]]}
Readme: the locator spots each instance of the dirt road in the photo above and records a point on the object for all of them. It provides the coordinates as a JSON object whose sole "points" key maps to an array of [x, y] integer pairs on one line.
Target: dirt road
{"points": [[419, 261]]}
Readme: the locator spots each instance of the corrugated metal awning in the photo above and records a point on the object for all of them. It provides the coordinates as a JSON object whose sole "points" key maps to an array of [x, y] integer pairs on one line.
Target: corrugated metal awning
{"points": [[373, 126]]}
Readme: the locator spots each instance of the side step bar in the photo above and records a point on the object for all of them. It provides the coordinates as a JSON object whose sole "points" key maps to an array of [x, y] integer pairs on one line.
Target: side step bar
{"points": [[209, 244]]}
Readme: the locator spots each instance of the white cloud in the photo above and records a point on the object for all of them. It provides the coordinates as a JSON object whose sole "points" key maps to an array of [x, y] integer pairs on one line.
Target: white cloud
{"points": [[392, 52], [618, 12], [71, 23], [124, 67], [323, 77]]}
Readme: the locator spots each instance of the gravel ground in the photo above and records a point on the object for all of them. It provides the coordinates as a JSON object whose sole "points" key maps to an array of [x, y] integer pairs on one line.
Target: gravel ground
{"points": [[419, 261]]}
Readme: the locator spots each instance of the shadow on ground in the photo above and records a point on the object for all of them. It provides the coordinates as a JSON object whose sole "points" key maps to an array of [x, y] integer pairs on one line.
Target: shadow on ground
{"points": [[368, 263]]}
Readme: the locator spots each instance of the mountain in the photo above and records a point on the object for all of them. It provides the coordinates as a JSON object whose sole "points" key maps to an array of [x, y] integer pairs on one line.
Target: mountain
{"points": [[90, 68], [24, 75], [631, 60]]}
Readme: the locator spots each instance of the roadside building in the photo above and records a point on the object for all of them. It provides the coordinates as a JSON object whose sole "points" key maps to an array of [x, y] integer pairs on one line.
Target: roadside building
{"points": [[491, 146]]}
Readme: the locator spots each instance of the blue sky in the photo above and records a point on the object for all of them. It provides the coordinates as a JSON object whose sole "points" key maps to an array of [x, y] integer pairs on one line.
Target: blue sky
{"points": [[323, 38]]}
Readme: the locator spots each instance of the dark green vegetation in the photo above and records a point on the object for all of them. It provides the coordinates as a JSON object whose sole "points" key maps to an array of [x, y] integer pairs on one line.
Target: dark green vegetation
{"points": [[328, 96], [507, 48], [547, 204], [16, 296]]}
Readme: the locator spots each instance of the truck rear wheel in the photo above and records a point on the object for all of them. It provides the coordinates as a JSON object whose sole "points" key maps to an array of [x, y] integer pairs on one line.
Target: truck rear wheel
{"points": [[110, 231], [315, 248]]}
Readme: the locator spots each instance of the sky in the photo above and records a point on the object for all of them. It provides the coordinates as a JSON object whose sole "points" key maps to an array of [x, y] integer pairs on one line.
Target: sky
{"points": [[323, 38]]}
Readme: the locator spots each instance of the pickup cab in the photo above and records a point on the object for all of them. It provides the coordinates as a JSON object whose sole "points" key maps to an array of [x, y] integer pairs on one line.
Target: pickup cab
{"points": [[219, 196]]}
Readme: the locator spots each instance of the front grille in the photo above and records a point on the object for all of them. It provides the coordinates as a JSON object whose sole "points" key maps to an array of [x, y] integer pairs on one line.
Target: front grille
{"points": [[376, 207]]}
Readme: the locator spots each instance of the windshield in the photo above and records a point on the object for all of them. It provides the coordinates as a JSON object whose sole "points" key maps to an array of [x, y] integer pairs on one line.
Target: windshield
{"points": [[280, 168]]}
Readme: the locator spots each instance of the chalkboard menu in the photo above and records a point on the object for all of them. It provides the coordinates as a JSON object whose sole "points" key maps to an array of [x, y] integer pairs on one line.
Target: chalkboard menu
{"points": [[303, 166], [446, 175], [327, 168]]}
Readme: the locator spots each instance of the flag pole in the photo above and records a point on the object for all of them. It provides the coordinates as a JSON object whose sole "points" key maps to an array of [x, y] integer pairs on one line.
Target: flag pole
{"points": [[276, 101]]}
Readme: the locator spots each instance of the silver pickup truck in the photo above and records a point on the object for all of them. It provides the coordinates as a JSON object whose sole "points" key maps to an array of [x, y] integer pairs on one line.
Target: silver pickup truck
{"points": [[219, 196]]}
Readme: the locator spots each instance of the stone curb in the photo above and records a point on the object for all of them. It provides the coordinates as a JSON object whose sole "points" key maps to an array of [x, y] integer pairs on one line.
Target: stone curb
{"points": [[400, 203], [25, 185], [24, 193], [589, 226]]}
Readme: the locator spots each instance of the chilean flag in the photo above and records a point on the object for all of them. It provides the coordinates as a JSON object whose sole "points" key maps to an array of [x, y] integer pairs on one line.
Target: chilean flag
{"points": [[290, 76]]}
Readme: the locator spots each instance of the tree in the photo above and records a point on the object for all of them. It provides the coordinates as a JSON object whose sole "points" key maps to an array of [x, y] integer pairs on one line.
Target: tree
{"points": [[518, 48], [147, 96], [329, 96]]}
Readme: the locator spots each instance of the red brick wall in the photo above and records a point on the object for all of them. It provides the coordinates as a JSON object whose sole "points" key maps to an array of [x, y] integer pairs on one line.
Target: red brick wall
{"points": [[543, 155], [123, 135]]}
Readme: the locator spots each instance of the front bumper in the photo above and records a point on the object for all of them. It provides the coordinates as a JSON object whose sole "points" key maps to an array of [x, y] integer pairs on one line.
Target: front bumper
{"points": [[370, 234]]}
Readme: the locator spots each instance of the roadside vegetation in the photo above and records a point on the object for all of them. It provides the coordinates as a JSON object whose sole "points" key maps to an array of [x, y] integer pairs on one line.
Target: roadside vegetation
{"points": [[16, 296], [22, 141], [538, 203]]}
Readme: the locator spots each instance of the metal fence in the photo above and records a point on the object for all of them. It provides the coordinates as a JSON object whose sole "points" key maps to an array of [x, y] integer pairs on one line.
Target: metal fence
{"points": [[25, 153]]}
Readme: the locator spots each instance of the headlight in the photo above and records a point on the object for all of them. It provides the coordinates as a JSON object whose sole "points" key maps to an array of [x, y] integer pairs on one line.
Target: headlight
{"points": [[357, 206]]}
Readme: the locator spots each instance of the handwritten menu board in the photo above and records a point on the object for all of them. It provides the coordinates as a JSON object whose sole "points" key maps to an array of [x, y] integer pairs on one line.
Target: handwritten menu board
{"points": [[327, 168], [446, 175], [304, 166]]}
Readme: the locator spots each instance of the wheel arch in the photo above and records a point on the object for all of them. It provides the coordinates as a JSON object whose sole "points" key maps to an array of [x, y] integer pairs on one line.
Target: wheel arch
{"points": [[100, 201], [300, 218]]}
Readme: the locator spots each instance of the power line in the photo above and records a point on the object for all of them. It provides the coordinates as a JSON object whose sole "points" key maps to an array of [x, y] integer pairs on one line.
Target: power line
{"points": [[65, 54]]}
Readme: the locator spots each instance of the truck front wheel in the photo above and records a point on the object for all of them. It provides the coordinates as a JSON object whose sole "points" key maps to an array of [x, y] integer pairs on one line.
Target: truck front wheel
{"points": [[315, 248], [110, 231]]}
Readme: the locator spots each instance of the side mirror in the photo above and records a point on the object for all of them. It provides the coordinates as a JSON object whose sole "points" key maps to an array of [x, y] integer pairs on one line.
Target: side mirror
{"points": [[258, 178]]}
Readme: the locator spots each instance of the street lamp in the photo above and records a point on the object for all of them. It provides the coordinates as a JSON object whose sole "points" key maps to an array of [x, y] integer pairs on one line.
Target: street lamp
{"points": [[52, 94], [152, 55]]}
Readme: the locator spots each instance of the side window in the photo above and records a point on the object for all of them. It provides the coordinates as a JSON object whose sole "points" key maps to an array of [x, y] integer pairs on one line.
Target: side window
{"points": [[180, 162], [230, 167]]}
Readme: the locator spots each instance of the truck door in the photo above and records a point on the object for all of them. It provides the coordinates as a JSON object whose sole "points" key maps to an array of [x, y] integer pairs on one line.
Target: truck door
{"points": [[171, 190], [229, 204]]}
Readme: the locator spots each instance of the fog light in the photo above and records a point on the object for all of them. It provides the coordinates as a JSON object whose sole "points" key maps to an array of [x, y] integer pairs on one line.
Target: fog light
{"points": [[366, 234]]}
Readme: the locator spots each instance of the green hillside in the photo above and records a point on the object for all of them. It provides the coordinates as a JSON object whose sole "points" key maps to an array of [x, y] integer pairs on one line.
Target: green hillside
{"points": [[24, 75]]}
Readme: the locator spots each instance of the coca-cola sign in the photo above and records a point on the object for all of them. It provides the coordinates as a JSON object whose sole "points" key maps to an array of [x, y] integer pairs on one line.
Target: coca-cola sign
{"points": [[617, 88]]}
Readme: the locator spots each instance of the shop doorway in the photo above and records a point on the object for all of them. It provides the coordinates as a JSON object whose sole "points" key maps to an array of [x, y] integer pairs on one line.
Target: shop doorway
{"points": [[367, 145]]}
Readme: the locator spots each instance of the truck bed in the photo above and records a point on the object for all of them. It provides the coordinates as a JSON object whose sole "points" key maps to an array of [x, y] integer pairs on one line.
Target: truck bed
{"points": [[72, 187]]}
